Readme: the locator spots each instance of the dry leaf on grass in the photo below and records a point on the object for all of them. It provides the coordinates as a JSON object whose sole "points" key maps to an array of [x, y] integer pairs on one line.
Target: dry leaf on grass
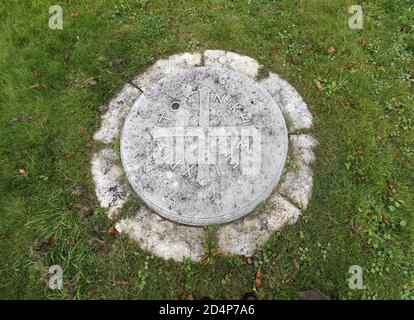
{"points": [[98, 244], [87, 144], [112, 231], [353, 227], [67, 155], [51, 240], [318, 85], [117, 63], [390, 184], [90, 82], [84, 210], [35, 72], [22, 172], [258, 280], [34, 86], [296, 263], [363, 42], [77, 191]]}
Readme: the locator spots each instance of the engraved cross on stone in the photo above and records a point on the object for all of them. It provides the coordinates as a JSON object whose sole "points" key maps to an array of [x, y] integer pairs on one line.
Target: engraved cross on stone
{"points": [[205, 157]]}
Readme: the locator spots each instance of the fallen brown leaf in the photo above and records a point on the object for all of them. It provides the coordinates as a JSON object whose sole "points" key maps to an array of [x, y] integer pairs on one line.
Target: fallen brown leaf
{"points": [[331, 218], [112, 231], [385, 219], [190, 296], [331, 50], [117, 63], [360, 177], [90, 82], [23, 117], [98, 244], [359, 150], [45, 277], [205, 259], [39, 245], [277, 6], [258, 280], [295, 60], [363, 42], [87, 144], [34, 86], [35, 72], [67, 155], [84, 210], [77, 191], [296, 263], [354, 228], [70, 290], [390, 184], [22, 172], [75, 14], [51, 240], [275, 49], [318, 85]]}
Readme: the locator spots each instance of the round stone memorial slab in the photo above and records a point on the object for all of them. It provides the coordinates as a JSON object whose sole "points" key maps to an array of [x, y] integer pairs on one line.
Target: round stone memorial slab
{"points": [[204, 145]]}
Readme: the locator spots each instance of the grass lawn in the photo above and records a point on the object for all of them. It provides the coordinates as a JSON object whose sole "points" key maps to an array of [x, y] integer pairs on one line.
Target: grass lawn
{"points": [[361, 96]]}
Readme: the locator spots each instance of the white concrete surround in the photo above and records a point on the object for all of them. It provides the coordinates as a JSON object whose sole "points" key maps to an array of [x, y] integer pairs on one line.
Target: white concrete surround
{"points": [[116, 111], [171, 240]]}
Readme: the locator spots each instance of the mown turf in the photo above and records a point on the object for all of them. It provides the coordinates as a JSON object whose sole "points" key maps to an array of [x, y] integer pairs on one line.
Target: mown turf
{"points": [[361, 211]]}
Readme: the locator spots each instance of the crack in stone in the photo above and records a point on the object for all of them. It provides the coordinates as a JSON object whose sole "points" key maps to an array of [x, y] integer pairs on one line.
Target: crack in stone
{"points": [[133, 84]]}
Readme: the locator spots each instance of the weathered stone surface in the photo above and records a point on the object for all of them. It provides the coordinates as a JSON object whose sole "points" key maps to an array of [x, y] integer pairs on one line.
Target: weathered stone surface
{"points": [[290, 102], [117, 110], [233, 61], [213, 158], [244, 236], [107, 176], [164, 238], [165, 67], [302, 145], [297, 184]]}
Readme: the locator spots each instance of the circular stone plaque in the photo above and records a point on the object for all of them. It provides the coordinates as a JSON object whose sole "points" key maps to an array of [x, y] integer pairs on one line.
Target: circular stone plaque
{"points": [[204, 145]]}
